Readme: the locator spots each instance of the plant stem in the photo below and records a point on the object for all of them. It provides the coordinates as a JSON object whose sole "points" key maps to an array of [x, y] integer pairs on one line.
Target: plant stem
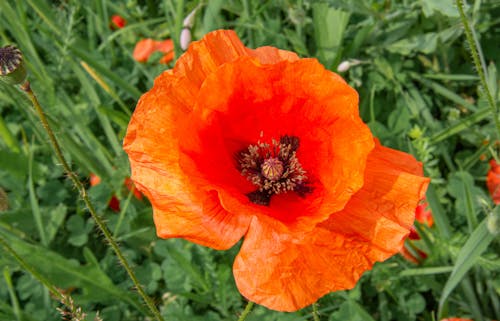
{"points": [[479, 67], [315, 312], [83, 192], [247, 311]]}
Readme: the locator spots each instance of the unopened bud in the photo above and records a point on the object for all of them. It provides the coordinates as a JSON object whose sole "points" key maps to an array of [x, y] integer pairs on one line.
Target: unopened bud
{"points": [[347, 64], [344, 66], [189, 20], [185, 38], [187, 24], [12, 69]]}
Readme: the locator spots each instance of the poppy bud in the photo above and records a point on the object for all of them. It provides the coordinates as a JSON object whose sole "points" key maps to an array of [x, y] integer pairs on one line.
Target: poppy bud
{"points": [[189, 20], [185, 38], [344, 66], [117, 22], [12, 69], [347, 64], [187, 23]]}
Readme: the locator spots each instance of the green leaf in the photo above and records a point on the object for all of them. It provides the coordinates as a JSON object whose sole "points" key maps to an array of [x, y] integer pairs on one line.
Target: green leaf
{"points": [[467, 257], [64, 273], [351, 311], [445, 7], [329, 28]]}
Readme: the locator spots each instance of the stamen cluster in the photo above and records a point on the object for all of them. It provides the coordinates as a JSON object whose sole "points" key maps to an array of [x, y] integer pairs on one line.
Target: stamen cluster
{"points": [[273, 168]]}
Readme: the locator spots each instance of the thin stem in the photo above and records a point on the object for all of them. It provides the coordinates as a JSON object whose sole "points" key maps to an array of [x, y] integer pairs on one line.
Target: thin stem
{"points": [[315, 312], [247, 311], [478, 65], [83, 192]]}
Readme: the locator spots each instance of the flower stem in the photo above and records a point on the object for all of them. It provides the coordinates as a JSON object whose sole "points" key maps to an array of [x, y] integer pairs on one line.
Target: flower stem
{"points": [[83, 192], [479, 67], [315, 312], [247, 311]]}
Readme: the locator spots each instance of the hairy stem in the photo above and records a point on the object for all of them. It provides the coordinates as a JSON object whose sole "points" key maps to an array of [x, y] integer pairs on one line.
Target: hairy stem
{"points": [[247, 311], [315, 312], [83, 192], [477, 62]]}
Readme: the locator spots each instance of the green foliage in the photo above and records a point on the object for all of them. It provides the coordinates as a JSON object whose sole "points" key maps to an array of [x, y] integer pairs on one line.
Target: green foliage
{"points": [[419, 92]]}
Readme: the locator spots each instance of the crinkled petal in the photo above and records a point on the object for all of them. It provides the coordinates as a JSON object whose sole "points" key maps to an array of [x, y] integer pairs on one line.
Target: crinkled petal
{"points": [[286, 270], [383, 211], [181, 209], [203, 57], [264, 102]]}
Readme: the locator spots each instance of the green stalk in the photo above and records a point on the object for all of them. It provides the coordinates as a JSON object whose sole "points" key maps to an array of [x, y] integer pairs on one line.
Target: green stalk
{"points": [[315, 312], [479, 67], [247, 311], [83, 192]]}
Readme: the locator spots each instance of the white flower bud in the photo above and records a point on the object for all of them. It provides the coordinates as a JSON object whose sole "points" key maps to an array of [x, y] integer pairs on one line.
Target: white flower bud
{"points": [[344, 66], [185, 38], [189, 20]]}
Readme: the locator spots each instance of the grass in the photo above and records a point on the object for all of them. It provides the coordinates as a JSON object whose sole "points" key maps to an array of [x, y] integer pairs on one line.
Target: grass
{"points": [[427, 85]]}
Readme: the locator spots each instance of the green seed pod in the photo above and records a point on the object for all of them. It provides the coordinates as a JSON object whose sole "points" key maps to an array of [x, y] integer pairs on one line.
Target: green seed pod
{"points": [[12, 69]]}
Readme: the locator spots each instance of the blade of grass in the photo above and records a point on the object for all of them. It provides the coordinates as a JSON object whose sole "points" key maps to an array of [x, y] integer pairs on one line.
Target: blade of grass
{"points": [[12, 294], [35, 209], [426, 271], [477, 243], [449, 77], [7, 137], [438, 213], [463, 124], [467, 182], [443, 91]]}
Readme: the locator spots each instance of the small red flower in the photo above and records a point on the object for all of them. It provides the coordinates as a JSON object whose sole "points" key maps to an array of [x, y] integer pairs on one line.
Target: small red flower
{"points": [[114, 203], [146, 47], [493, 181], [456, 319], [117, 22], [422, 215], [234, 142]]}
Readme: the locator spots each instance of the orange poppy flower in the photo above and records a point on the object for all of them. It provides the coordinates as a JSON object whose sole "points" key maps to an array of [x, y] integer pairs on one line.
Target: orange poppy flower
{"points": [[117, 22], [114, 203], [146, 47], [493, 181], [456, 319], [237, 142]]}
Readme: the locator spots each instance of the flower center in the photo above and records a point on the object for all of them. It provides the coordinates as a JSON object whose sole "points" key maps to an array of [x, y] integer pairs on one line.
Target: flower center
{"points": [[273, 169]]}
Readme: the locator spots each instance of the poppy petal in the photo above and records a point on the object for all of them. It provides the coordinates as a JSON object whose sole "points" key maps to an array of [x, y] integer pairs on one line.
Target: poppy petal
{"points": [[286, 272], [383, 211], [493, 181], [143, 49], [291, 270], [180, 209], [265, 102]]}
